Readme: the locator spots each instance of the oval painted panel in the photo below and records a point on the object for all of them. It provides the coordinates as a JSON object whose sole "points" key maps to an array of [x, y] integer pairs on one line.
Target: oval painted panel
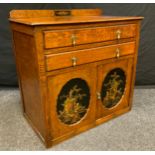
{"points": [[73, 101], [113, 87]]}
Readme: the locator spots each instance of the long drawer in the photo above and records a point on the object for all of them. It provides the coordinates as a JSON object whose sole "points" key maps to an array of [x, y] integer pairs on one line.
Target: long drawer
{"points": [[73, 37], [68, 59]]}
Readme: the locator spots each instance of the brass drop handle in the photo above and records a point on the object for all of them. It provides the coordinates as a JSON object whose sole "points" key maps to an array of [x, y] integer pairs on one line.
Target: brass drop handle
{"points": [[73, 38], [98, 95], [74, 61], [118, 34], [117, 53]]}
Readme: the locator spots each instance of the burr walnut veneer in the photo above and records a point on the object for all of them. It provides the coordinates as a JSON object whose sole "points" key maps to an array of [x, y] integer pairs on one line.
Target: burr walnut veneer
{"points": [[76, 68]]}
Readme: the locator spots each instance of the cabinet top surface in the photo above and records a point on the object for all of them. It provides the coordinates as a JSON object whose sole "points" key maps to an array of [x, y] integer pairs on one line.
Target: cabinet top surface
{"points": [[51, 17]]}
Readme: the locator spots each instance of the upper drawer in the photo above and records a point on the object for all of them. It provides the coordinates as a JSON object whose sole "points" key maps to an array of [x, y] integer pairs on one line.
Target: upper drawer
{"points": [[68, 59], [64, 38]]}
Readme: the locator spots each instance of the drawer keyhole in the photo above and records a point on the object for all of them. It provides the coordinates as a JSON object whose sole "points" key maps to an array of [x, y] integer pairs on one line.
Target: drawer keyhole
{"points": [[117, 53], [74, 61], [73, 38], [118, 34], [98, 96]]}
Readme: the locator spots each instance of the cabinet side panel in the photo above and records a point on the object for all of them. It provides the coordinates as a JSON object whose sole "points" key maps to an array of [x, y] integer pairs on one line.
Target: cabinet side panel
{"points": [[26, 61], [135, 63]]}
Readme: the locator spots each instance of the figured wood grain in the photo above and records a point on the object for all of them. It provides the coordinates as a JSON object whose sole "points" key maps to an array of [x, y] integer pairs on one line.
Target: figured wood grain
{"points": [[29, 79], [71, 20], [126, 65], [55, 39], [95, 65], [86, 46], [58, 128], [62, 60], [46, 17], [18, 14], [135, 63]]}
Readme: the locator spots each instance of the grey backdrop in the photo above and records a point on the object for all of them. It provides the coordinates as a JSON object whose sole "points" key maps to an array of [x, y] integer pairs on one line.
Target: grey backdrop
{"points": [[146, 58]]}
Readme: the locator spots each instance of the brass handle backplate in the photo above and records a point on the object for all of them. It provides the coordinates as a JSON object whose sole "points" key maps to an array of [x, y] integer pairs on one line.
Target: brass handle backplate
{"points": [[73, 38], [117, 53], [98, 96], [74, 61], [62, 12], [118, 34]]}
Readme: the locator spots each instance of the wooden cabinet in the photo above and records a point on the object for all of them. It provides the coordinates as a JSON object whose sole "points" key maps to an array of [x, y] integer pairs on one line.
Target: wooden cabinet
{"points": [[76, 68]]}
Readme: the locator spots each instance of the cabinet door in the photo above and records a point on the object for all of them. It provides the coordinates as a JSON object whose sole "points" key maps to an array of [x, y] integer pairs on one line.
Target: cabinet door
{"points": [[113, 88], [72, 105]]}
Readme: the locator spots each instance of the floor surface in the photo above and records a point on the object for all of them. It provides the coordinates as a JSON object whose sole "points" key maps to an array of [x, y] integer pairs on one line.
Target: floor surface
{"points": [[134, 130]]}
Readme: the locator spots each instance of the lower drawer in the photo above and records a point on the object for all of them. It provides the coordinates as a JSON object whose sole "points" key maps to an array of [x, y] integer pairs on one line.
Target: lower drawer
{"points": [[68, 59]]}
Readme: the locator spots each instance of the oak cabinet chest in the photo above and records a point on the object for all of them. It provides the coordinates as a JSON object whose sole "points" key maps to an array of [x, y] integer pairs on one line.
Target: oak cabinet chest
{"points": [[76, 68]]}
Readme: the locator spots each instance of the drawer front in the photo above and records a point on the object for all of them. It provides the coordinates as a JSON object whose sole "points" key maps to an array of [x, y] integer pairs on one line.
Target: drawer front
{"points": [[63, 60], [64, 38]]}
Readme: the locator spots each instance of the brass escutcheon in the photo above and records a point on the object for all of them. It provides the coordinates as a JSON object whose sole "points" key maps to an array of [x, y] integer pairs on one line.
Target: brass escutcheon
{"points": [[98, 96], [74, 61], [117, 53], [118, 34], [73, 38]]}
